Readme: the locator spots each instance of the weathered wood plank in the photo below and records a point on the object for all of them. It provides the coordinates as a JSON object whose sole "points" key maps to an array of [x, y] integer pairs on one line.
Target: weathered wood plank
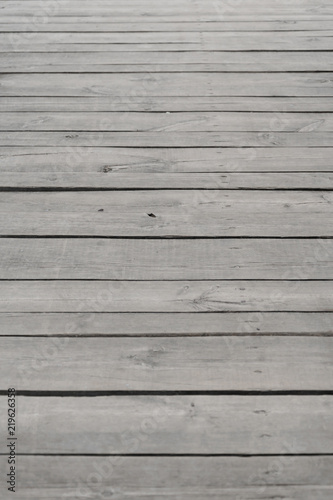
{"points": [[165, 259], [164, 364], [124, 181], [175, 424], [230, 41], [165, 296], [161, 324], [185, 103], [115, 62], [167, 122], [163, 160], [129, 62], [168, 213], [167, 139], [168, 478], [167, 84], [72, 24]]}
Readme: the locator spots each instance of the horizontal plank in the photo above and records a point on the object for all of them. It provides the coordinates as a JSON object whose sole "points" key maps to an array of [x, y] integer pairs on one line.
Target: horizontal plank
{"points": [[123, 181], [164, 364], [185, 103], [167, 139], [230, 41], [175, 424], [168, 213], [165, 296], [165, 259], [160, 324], [167, 122], [167, 478], [74, 24], [66, 159], [175, 62], [167, 84]]}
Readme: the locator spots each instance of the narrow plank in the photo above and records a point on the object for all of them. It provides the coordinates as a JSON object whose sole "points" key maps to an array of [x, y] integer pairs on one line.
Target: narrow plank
{"points": [[167, 122], [167, 139], [167, 478], [167, 364], [179, 62], [165, 296], [73, 24], [240, 41], [175, 425], [185, 103], [97, 160], [162, 324], [120, 181], [165, 259], [168, 84], [200, 213]]}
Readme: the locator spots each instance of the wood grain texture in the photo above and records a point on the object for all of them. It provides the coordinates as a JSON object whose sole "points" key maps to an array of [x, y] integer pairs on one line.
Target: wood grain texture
{"points": [[168, 478], [168, 122], [105, 160], [124, 181], [167, 84], [165, 296], [166, 104], [175, 424], [168, 213], [128, 259], [166, 324], [168, 364]]}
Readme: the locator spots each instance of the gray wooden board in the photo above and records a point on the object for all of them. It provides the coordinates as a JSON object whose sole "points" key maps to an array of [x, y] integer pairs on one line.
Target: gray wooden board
{"points": [[174, 424], [168, 84], [199, 213], [151, 103], [166, 324], [106, 24], [230, 41], [165, 296], [115, 62], [167, 364], [123, 181], [167, 139], [167, 122], [173, 259], [99, 160], [166, 478]]}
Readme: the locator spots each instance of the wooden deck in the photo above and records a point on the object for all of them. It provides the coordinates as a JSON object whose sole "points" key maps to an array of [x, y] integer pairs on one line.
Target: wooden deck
{"points": [[166, 248]]}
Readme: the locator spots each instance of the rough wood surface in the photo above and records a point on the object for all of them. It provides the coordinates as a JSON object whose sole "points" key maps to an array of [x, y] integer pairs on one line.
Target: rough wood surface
{"points": [[92, 159], [174, 259], [165, 296], [157, 425], [166, 324], [170, 478], [167, 364], [168, 213]]}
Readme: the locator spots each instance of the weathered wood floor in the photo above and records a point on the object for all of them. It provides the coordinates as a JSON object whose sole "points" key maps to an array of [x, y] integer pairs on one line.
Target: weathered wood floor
{"points": [[166, 248]]}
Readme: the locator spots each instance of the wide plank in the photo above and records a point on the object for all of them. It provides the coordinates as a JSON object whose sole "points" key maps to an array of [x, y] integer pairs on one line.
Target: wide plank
{"points": [[166, 324], [169, 259], [174, 425], [82, 160], [210, 41], [165, 296], [180, 62], [167, 122], [136, 103], [193, 213], [167, 84], [168, 478], [167, 364]]}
